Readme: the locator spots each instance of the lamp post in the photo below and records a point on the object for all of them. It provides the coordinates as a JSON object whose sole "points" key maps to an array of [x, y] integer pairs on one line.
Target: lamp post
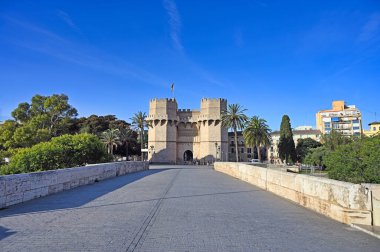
{"points": [[216, 151]]}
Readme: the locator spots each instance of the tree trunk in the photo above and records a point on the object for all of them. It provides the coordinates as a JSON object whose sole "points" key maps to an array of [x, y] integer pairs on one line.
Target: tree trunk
{"points": [[236, 145], [142, 143], [126, 150], [110, 149], [258, 152]]}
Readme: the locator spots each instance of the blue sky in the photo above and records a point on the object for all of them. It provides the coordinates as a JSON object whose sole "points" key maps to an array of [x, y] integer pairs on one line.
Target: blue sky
{"points": [[273, 57]]}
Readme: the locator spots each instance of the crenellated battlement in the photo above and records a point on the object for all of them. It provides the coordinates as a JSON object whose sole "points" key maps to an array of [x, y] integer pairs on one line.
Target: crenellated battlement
{"points": [[185, 110], [163, 100], [213, 100]]}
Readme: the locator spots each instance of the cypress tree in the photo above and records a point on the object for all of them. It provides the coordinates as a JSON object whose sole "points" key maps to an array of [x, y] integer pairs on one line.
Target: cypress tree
{"points": [[286, 146]]}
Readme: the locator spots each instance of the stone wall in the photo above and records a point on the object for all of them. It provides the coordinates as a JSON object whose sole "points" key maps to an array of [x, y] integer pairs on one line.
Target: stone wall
{"points": [[345, 202], [19, 188], [375, 193]]}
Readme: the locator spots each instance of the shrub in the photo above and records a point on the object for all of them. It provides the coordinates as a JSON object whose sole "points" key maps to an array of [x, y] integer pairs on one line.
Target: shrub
{"points": [[60, 152], [356, 162]]}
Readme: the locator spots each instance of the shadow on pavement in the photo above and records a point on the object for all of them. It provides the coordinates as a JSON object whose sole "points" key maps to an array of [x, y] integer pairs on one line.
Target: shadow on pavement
{"points": [[75, 197], [181, 167], [5, 232]]}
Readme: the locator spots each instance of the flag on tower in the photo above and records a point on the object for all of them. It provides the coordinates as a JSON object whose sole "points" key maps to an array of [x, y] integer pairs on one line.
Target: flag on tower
{"points": [[172, 87]]}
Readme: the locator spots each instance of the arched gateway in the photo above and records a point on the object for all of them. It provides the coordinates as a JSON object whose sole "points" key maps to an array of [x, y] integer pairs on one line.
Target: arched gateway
{"points": [[188, 156]]}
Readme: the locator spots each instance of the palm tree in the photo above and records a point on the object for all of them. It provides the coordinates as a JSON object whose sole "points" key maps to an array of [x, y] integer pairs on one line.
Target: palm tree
{"points": [[110, 138], [125, 136], [235, 119], [257, 133], [139, 124]]}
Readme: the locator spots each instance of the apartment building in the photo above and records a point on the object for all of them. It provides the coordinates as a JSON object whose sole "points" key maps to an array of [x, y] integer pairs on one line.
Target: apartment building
{"points": [[346, 119]]}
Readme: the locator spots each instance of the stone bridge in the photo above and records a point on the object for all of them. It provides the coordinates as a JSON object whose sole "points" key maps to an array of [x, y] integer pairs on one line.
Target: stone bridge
{"points": [[173, 208]]}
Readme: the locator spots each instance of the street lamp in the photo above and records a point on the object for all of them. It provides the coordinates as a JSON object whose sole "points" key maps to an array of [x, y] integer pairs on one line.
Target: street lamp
{"points": [[216, 151]]}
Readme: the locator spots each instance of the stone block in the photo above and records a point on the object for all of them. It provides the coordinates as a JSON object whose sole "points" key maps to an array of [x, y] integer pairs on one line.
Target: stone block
{"points": [[375, 191], [74, 183], [66, 185], [2, 202], [38, 180], [12, 199], [31, 194], [63, 176], [55, 188], [2, 186], [16, 183]]}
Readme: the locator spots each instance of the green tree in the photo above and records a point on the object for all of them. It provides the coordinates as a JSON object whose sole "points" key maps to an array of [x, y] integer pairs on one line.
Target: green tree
{"points": [[139, 124], [27, 136], [356, 162], [235, 119], [317, 156], [257, 133], [286, 147], [97, 124], [43, 118], [46, 112], [7, 130], [334, 140], [126, 136], [111, 139], [304, 146]]}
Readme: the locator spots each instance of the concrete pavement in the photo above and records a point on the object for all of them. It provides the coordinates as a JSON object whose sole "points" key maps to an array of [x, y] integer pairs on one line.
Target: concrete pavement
{"points": [[173, 208]]}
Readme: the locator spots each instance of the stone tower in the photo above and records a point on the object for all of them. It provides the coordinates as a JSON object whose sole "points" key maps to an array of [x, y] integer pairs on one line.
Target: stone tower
{"points": [[186, 136], [212, 134], [162, 132]]}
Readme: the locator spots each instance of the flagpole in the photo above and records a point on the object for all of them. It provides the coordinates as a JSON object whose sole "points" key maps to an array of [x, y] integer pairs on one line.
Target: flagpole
{"points": [[172, 89]]}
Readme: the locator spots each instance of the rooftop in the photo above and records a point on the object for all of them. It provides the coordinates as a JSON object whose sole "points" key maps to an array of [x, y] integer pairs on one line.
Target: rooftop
{"points": [[372, 123]]}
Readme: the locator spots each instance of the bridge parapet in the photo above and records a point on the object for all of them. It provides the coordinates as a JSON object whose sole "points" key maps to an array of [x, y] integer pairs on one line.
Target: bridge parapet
{"points": [[345, 202]]}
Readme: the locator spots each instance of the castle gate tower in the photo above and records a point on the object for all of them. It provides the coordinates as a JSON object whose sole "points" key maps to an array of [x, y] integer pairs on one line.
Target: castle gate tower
{"points": [[181, 136]]}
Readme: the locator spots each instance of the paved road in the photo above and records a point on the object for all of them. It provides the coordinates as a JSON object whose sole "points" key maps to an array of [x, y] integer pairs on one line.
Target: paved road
{"points": [[173, 209]]}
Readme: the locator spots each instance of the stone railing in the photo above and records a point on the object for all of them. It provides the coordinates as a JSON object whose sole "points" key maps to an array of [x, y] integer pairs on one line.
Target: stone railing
{"points": [[345, 202], [19, 188]]}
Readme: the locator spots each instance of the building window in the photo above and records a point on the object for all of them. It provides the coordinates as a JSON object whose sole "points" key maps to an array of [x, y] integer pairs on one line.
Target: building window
{"points": [[355, 121], [327, 125], [232, 142], [242, 150], [232, 150], [249, 150], [355, 128], [242, 142], [271, 148], [374, 128]]}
